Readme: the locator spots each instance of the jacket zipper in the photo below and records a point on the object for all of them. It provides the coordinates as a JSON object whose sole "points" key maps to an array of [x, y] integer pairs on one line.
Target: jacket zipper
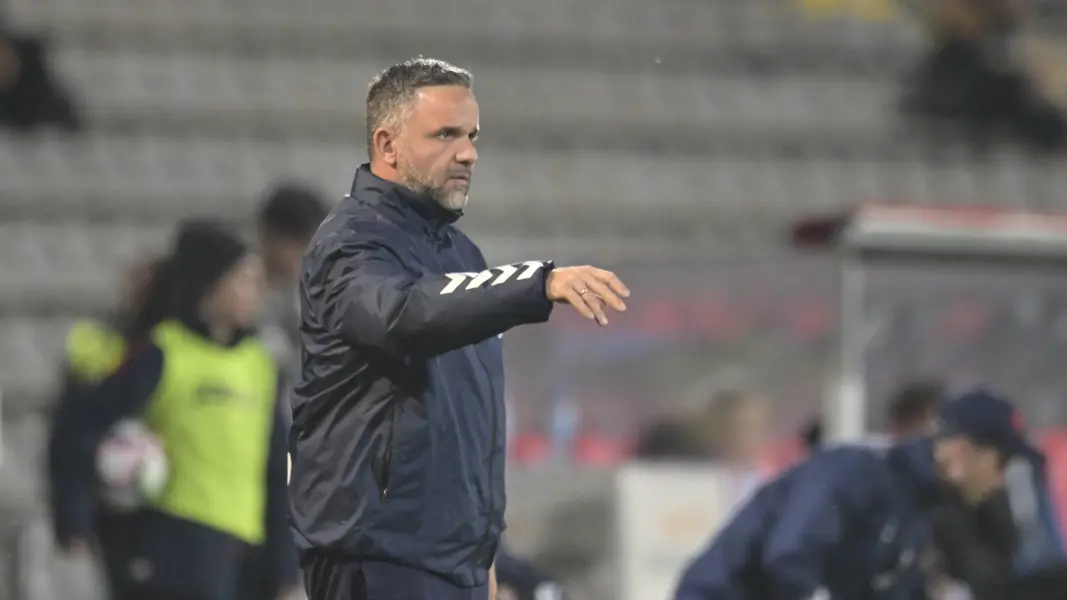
{"points": [[492, 455], [492, 461]]}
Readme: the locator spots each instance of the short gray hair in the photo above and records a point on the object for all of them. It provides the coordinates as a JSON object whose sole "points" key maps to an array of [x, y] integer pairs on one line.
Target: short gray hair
{"points": [[392, 91]]}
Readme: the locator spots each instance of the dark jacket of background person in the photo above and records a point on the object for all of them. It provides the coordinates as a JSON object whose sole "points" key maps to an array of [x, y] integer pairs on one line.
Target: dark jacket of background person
{"points": [[849, 520], [29, 95], [976, 545], [157, 554], [94, 350], [398, 435], [1044, 584], [991, 546]]}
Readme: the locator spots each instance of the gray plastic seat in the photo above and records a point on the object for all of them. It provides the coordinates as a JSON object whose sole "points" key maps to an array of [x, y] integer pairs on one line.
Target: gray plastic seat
{"points": [[163, 177], [230, 90], [31, 351], [63, 265], [622, 21]]}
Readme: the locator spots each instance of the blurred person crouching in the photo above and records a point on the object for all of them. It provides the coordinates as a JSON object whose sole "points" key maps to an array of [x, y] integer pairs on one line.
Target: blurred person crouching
{"points": [[204, 385], [991, 543]]}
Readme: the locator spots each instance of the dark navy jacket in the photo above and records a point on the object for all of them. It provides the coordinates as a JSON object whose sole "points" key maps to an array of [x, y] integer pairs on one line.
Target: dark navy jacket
{"points": [[398, 427], [848, 520]]}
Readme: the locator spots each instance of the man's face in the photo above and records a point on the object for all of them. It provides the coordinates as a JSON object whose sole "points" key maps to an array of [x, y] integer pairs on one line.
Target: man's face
{"points": [[972, 469], [434, 147]]}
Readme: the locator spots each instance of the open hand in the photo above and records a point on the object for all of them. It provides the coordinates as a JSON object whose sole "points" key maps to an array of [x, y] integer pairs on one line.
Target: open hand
{"points": [[588, 290]]}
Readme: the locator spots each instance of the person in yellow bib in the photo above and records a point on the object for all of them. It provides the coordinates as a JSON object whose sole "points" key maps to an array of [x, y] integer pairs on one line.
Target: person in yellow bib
{"points": [[205, 386], [95, 348]]}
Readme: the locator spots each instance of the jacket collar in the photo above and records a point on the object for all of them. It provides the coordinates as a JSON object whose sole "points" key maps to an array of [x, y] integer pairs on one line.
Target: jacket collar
{"points": [[366, 185]]}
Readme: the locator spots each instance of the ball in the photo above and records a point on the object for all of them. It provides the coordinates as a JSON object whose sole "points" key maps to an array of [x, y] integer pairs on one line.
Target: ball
{"points": [[132, 466]]}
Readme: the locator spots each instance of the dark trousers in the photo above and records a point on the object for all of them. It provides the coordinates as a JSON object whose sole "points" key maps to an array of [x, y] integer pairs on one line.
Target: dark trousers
{"points": [[153, 556], [330, 577]]}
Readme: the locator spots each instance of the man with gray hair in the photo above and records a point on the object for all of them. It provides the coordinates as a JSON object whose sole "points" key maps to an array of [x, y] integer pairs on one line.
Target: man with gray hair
{"points": [[398, 434]]}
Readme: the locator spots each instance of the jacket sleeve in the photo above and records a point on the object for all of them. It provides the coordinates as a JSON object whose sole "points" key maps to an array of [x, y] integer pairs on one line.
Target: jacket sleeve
{"points": [[83, 418], [369, 298], [60, 468], [280, 549], [796, 554], [1033, 513], [717, 572]]}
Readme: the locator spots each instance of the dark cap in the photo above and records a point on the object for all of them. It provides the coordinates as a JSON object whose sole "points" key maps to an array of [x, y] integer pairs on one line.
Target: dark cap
{"points": [[984, 417]]}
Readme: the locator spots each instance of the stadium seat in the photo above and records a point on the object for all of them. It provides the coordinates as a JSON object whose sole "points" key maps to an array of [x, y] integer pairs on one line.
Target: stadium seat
{"points": [[206, 93]]}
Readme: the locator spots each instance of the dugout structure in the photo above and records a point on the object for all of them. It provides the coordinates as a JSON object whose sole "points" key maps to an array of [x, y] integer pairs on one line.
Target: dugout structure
{"points": [[968, 296]]}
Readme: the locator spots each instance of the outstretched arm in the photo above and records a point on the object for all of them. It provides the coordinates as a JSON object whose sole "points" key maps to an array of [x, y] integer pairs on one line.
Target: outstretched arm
{"points": [[371, 299]]}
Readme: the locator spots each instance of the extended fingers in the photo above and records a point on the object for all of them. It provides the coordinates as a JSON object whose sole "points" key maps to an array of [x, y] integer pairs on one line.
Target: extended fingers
{"points": [[577, 300], [612, 281], [606, 295]]}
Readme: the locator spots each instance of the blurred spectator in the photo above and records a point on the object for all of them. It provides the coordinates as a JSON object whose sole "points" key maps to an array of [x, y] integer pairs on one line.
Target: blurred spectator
{"points": [[287, 219], [732, 427], [673, 439], [206, 388], [911, 411], [1005, 539], [813, 434], [976, 76], [30, 97], [94, 350], [738, 422]]}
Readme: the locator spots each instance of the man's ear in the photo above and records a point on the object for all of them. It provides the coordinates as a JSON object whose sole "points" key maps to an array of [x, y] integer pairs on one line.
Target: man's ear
{"points": [[385, 150]]}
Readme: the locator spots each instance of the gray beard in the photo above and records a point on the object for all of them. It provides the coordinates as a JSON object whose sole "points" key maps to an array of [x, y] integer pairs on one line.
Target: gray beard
{"points": [[436, 194]]}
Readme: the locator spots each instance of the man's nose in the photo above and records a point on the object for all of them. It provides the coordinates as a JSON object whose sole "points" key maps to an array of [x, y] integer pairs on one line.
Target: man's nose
{"points": [[468, 154]]}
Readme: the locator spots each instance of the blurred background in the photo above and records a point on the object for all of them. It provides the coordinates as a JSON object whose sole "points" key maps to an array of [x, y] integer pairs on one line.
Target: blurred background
{"points": [[676, 142]]}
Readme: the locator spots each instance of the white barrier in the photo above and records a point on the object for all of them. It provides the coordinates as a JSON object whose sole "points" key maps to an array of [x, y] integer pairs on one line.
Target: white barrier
{"points": [[665, 515]]}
